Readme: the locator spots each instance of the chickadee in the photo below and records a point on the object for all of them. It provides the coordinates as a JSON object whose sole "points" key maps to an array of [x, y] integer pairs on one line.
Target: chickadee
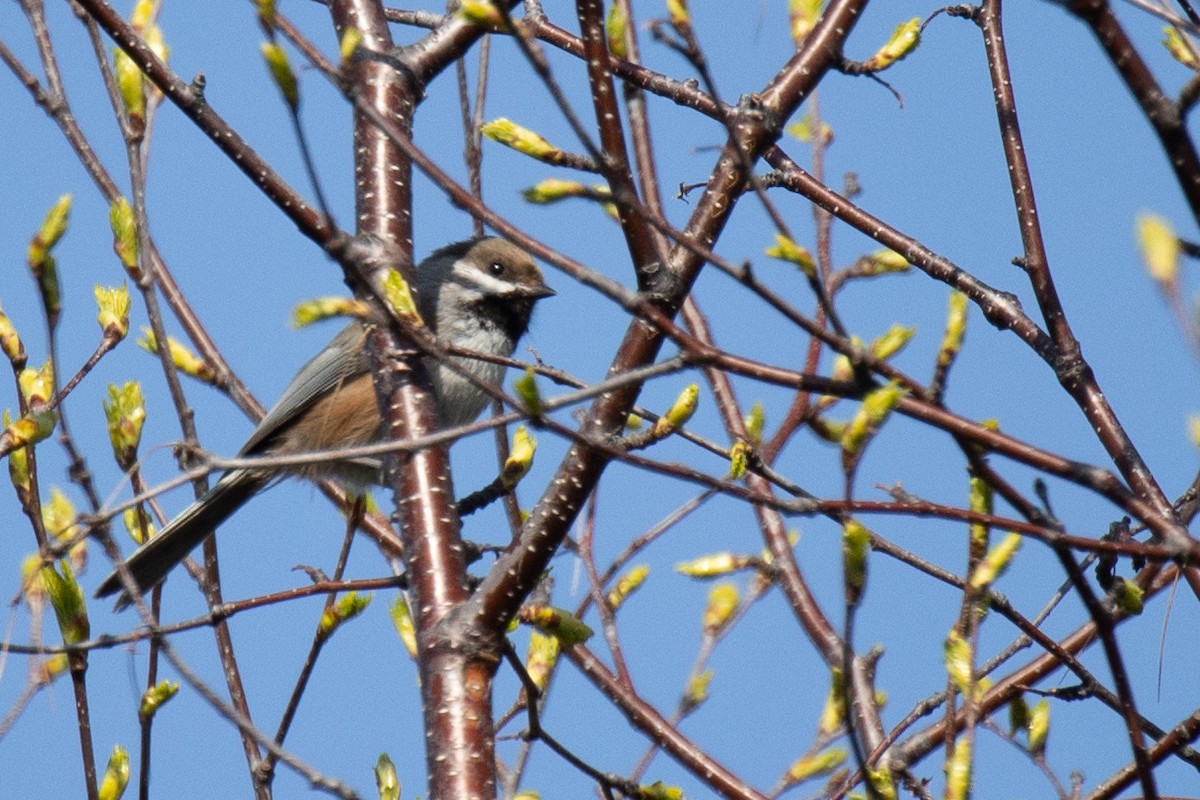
{"points": [[477, 294]]}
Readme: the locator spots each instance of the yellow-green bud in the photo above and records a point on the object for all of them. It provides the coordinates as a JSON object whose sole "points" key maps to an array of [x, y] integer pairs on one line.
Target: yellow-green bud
{"points": [[874, 410], [266, 13], [956, 329], [884, 261], [1018, 714], [996, 561], [51, 668], [556, 622], [185, 360], [125, 241], [723, 600], [137, 526], [755, 421], [52, 229], [807, 767], [520, 138], [552, 190], [882, 782], [322, 308], [18, 462], [281, 72], [614, 28], [58, 515], [787, 250], [803, 16], [386, 778], [979, 500], [713, 565], [958, 659], [10, 342], [66, 596], [1128, 596], [739, 459], [125, 413], [398, 295], [352, 39], [37, 385], [116, 776], [130, 84], [113, 305], [678, 12], [627, 584], [958, 771], [892, 341], [659, 791], [526, 389], [347, 607], [483, 13], [142, 14], [1160, 248], [1179, 49], [806, 129], [696, 691], [833, 715], [541, 658], [1039, 726], [856, 543], [904, 40], [34, 427], [155, 697], [405, 627], [679, 413], [520, 457]]}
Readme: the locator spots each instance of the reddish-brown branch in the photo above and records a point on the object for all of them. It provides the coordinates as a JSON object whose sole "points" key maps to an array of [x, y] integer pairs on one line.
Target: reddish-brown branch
{"points": [[455, 680], [923, 742], [190, 100], [647, 719], [756, 129], [614, 160], [1070, 367], [1162, 114]]}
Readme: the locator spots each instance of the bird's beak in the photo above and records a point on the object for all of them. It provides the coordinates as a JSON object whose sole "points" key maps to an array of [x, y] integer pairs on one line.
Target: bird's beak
{"points": [[539, 291]]}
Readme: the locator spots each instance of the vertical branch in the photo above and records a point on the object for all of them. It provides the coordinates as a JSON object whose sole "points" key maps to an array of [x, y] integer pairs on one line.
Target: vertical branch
{"points": [[754, 129], [455, 677], [614, 160]]}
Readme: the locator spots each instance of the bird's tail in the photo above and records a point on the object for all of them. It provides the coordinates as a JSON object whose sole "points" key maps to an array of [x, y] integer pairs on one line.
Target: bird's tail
{"points": [[151, 562]]}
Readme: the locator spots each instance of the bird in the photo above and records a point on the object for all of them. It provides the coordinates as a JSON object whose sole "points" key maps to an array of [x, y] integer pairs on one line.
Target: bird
{"points": [[476, 294]]}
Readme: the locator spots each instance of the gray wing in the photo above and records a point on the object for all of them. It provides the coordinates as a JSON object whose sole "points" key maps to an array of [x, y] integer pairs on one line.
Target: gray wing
{"points": [[342, 358]]}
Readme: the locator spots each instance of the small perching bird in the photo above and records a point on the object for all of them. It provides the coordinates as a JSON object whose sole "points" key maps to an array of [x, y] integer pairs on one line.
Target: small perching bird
{"points": [[477, 295]]}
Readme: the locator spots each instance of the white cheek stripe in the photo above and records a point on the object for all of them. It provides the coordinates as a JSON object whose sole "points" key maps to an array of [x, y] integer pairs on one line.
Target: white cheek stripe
{"points": [[467, 273]]}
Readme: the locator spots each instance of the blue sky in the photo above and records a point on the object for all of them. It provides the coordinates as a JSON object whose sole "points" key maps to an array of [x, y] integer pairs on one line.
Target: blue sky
{"points": [[932, 168]]}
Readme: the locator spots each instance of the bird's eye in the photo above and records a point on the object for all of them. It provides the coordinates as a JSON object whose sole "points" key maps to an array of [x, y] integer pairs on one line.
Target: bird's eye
{"points": [[496, 268]]}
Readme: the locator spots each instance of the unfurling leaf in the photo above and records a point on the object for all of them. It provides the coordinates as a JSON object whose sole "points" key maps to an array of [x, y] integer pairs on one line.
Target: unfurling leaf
{"points": [[904, 40]]}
